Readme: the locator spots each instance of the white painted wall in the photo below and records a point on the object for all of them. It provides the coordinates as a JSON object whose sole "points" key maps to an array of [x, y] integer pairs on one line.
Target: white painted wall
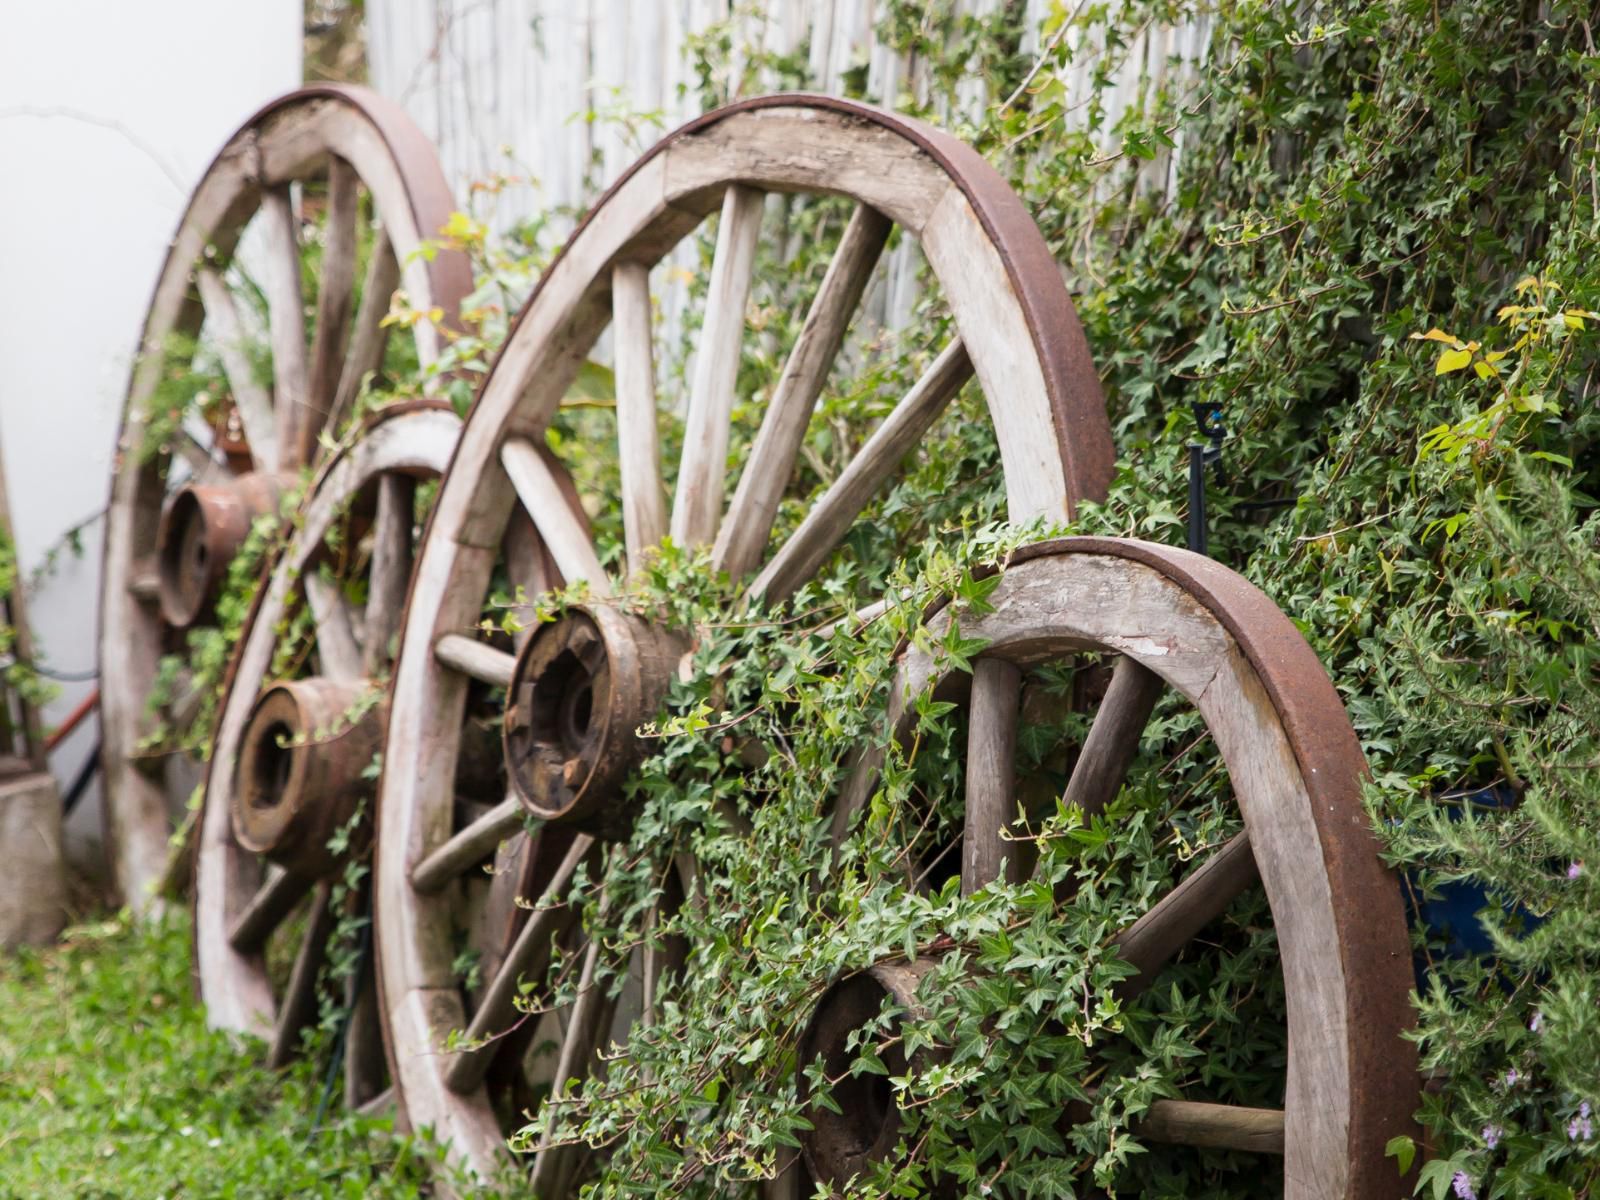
{"points": [[109, 112]]}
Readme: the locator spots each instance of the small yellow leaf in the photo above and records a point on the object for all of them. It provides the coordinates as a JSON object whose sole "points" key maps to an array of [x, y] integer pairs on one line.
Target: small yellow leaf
{"points": [[1485, 370], [1573, 320], [1436, 335], [1452, 360], [1494, 356]]}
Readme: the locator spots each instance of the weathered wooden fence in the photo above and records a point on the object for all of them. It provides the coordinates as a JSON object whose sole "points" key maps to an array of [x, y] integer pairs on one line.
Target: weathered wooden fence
{"points": [[563, 94]]}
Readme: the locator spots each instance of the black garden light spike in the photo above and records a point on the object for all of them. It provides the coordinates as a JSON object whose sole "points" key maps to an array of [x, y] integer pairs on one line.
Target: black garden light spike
{"points": [[1202, 455]]}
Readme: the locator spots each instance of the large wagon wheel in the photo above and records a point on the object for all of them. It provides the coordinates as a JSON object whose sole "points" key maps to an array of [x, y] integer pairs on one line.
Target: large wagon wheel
{"points": [[587, 682], [299, 728], [1169, 619], [187, 484]]}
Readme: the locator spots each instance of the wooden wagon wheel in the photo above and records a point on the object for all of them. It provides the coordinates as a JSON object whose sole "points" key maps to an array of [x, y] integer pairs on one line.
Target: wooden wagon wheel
{"points": [[1170, 619], [584, 684], [300, 725], [189, 478]]}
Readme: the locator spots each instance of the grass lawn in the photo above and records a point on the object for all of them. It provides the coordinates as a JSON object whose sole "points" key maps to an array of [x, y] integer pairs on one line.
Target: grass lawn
{"points": [[112, 1086]]}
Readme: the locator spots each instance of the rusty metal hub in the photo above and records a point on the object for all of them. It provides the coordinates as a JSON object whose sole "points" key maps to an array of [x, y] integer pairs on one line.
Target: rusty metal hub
{"points": [[581, 688], [201, 530], [300, 772], [846, 1143]]}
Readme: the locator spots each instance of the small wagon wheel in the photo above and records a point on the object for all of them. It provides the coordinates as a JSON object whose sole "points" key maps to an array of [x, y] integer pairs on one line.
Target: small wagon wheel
{"points": [[1174, 620], [299, 729], [583, 685], [192, 473]]}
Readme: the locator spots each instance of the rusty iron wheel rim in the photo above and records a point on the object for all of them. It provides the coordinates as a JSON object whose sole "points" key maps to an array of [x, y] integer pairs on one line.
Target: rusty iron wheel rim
{"points": [[1297, 772]]}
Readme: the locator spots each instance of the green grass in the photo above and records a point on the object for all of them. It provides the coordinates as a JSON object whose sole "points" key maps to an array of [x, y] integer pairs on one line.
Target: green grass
{"points": [[112, 1086]]}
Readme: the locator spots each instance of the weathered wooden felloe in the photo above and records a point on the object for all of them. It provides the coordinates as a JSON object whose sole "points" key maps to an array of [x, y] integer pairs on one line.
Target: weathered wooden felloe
{"points": [[188, 483], [1016, 334]]}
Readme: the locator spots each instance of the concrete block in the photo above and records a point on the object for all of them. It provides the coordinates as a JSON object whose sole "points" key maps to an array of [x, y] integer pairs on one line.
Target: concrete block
{"points": [[33, 890]]}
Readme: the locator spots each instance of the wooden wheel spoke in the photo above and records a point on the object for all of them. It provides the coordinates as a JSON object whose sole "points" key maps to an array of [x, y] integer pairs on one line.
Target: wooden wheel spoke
{"points": [[364, 1066], [1217, 1126], [144, 581], [663, 954], [586, 1027], [744, 533], [528, 958], [187, 698], [380, 1105], [991, 774], [299, 1006], [529, 566], [653, 968], [561, 528], [697, 505], [471, 846], [1204, 895], [687, 867], [273, 901], [786, 1185], [286, 316], [474, 658], [831, 516], [368, 335], [391, 568], [337, 648], [334, 293], [1113, 738], [205, 462], [250, 397], [644, 512], [857, 791]]}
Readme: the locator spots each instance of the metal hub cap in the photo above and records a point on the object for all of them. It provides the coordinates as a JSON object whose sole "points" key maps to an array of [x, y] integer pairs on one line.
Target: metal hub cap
{"points": [[846, 1143], [581, 688], [300, 771], [202, 529]]}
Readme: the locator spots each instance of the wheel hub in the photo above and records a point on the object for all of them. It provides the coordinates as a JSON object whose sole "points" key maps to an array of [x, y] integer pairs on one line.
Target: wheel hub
{"points": [[846, 1143], [581, 688], [201, 531], [300, 772]]}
